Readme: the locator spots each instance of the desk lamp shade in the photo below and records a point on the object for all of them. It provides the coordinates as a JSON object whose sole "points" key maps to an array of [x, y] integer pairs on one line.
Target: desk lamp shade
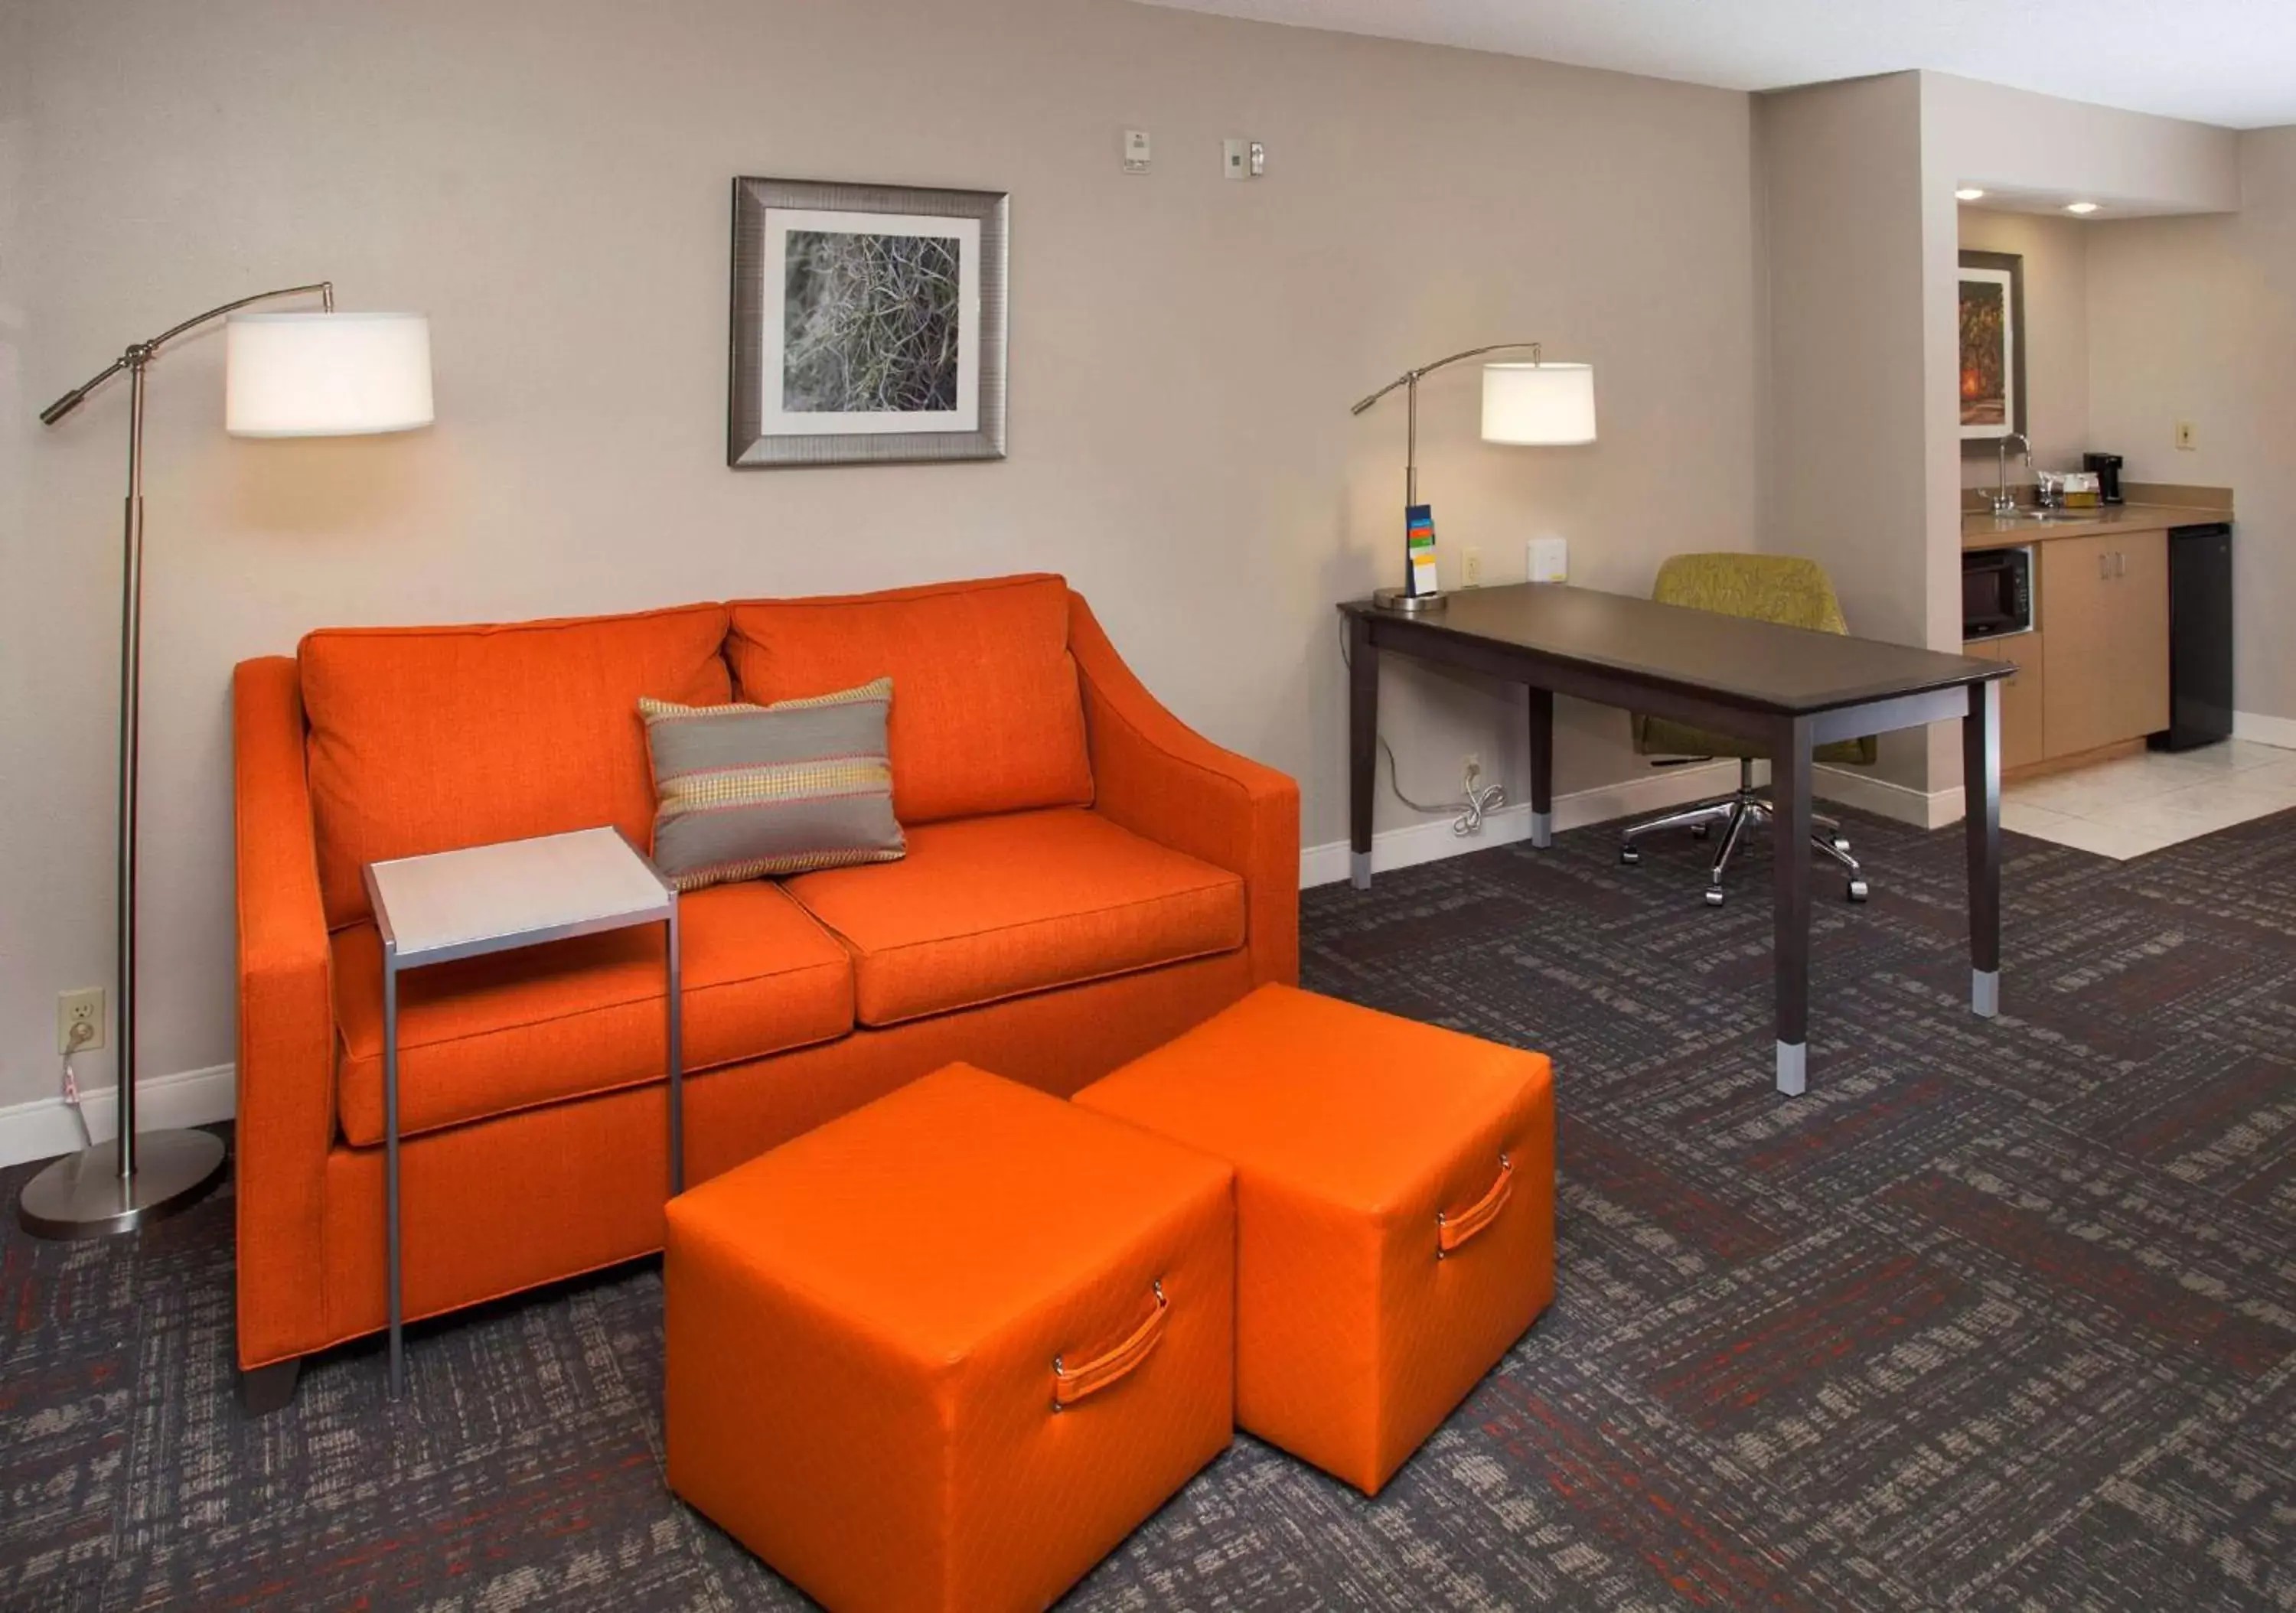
{"points": [[1538, 404], [325, 374]]}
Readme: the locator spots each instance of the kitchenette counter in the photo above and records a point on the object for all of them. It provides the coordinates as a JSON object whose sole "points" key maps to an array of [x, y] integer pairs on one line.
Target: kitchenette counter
{"points": [[1982, 529]]}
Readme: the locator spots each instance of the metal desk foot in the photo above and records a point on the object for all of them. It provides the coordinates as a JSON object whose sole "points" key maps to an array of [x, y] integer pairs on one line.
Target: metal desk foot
{"points": [[1359, 869], [1542, 829], [1793, 1067], [1985, 992]]}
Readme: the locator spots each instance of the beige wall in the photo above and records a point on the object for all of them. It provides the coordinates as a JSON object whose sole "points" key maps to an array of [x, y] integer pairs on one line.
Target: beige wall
{"points": [[2195, 319], [2055, 251], [2011, 139], [1841, 222], [550, 184]]}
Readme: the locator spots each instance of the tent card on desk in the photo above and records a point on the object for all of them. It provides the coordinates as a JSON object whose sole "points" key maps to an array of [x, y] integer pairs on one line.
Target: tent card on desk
{"points": [[1418, 549]]}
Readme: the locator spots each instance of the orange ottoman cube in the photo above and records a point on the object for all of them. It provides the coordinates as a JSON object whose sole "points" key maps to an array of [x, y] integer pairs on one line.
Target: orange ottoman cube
{"points": [[947, 1351], [1395, 1211]]}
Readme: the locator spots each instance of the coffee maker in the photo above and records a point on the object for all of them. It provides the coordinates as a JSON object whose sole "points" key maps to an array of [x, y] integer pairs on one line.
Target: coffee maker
{"points": [[2107, 466]]}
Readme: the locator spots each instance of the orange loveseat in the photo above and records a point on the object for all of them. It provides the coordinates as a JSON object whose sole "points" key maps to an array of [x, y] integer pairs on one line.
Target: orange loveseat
{"points": [[1085, 878]]}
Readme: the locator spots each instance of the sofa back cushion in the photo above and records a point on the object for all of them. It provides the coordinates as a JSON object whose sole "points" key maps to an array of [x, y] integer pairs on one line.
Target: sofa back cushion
{"points": [[987, 716], [427, 739]]}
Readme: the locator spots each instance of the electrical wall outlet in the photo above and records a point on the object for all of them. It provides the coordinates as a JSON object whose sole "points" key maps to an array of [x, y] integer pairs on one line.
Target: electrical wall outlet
{"points": [[1471, 768], [2188, 436], [1472, 570], [79, 1021]]}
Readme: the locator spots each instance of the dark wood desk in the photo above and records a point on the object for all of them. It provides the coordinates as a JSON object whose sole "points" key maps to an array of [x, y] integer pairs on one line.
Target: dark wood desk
{"points": [[1787, 688]]}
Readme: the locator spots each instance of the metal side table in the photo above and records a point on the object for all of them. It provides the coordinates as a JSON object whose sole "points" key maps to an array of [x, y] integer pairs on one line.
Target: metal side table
{"points": [[465, 903]]}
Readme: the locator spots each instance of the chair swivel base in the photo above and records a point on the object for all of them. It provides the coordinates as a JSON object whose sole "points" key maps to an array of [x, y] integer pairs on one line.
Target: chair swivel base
{"points": [[1740, 812], [83, 1195]]}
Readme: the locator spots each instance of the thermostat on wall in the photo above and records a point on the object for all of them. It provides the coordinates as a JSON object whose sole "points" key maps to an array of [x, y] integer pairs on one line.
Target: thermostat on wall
{"points": [[1548, 560]]}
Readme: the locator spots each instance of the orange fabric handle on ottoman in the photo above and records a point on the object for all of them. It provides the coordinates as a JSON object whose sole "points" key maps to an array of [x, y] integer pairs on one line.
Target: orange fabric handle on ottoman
{"points": [[1093, 1376], [1451, 1231]]}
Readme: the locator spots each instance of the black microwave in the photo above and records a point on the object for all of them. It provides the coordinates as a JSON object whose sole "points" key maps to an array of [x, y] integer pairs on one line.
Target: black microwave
{"points": [[1996, 593]]}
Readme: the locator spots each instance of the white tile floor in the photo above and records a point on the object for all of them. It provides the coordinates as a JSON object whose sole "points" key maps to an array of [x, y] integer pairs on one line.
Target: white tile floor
{"points": [[2126, 808]]}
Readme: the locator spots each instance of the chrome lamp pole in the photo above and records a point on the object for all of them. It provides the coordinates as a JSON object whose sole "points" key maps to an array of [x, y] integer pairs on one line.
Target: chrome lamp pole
{"points": [[96, 1192]]}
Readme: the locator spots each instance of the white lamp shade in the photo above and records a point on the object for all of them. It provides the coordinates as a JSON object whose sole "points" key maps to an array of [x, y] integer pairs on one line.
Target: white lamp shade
{"points": [[325, 374], [1539, 404]]}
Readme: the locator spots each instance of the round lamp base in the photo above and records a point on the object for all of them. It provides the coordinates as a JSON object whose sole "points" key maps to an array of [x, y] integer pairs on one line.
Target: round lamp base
{"points": [[83, 1195], [1397, 599]]}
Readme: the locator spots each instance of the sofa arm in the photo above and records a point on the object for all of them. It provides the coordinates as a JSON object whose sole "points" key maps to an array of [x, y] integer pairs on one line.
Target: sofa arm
{"points": [[286, 1118], [1159, 778]]}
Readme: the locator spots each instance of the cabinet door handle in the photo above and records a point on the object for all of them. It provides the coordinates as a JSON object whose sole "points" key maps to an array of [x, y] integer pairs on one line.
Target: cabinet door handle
{"points": [[2104, 566], [2119, 563]]}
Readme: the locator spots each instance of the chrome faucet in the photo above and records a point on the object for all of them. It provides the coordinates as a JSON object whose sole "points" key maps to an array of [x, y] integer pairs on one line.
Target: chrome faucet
{"points": [[2005, 502]]}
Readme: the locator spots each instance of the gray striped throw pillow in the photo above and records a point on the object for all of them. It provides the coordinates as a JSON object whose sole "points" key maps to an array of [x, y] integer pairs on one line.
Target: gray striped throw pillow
{"points": [[747, 791]]}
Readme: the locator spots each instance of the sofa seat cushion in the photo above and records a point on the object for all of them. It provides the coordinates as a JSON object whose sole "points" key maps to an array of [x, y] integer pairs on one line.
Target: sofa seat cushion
{"points": [[514, 1029], [987, 908], [430, 739], [988, 716]]}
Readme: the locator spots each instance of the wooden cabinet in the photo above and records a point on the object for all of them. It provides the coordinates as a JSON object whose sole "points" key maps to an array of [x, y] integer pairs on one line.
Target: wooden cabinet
{"points": [[2103, 614], [2023, 741]]}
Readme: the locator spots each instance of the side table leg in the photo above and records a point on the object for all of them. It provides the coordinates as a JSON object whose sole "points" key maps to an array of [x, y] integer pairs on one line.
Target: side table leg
{"points": [[391, 1157], [677, 1060]]}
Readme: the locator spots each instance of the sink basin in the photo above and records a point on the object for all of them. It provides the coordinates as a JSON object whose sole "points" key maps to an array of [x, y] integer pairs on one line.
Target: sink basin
{"points": [[2058, 514]]}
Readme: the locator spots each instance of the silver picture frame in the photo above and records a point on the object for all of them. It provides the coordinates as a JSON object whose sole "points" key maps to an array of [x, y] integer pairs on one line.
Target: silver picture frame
{"points": [[964, 395]]}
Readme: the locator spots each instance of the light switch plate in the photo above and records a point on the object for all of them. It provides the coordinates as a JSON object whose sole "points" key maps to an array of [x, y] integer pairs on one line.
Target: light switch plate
{"points": [[1235, 158], [2188, 436], [1548, 560], [1135, 151]]}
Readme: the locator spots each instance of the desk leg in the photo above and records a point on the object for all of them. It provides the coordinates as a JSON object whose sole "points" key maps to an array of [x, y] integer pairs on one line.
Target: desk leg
{"points": [[676, 1060], [1980, 774], [1363, 747], [1790, 781], [1542, 767], [390, 1160]]}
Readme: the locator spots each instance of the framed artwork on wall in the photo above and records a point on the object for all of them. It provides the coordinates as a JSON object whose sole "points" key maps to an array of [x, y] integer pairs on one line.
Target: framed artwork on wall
{"points": [[869, 324], [1992, 346]]}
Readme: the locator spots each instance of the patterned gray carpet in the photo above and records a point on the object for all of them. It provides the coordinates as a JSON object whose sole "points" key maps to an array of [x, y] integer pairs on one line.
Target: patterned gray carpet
{"points": [[2001, 1316]]}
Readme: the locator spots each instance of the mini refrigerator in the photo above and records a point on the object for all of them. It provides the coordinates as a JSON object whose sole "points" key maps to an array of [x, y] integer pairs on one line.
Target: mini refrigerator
{"points": [[2200, 638]]}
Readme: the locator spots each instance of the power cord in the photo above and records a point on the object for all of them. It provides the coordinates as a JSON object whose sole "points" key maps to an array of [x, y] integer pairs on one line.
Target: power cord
{"points": [[82, 1033], [1481, 799]]}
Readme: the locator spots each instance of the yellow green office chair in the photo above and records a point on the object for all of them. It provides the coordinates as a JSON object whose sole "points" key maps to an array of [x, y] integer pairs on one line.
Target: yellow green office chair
{"points": [[1770, 588]]}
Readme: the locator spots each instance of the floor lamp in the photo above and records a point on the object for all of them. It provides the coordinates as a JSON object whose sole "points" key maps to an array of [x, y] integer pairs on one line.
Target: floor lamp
{"points": [[303, 375]]}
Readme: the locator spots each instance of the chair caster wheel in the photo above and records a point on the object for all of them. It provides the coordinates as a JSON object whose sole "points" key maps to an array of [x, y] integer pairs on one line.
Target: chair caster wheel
{"points": [[1841, 844], [1629, 856], [1713, 895], [1857, 890], [1699, 831]]}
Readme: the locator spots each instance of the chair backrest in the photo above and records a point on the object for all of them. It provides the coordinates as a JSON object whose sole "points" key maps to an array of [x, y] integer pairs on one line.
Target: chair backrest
{"points": [[1783, 588]]}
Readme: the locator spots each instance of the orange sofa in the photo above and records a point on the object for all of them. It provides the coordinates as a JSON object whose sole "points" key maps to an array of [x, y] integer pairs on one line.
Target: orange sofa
{"points": [[1085, 878]]}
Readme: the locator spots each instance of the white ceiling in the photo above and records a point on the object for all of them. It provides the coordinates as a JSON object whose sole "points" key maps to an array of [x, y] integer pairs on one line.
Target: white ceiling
{"points": [[2225, 61]]}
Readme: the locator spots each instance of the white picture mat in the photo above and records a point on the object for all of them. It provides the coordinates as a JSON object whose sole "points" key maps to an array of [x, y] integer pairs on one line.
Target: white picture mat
{"points": [[2006, 280], [776, 420]]}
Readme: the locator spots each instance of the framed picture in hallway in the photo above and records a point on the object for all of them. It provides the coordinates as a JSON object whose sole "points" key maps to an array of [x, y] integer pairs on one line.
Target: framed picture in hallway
{"points": [[868, 325], [1992, 346]]}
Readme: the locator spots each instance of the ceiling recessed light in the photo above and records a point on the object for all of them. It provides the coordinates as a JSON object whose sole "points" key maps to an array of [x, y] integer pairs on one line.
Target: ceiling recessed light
{"points": [[2080, 206], [1968, 192]]}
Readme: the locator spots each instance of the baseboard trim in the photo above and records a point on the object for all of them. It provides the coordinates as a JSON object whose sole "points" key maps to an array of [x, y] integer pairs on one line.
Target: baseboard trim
{"points": [[44, 1127], [1923, 808], [1431, 841], [2262, 729]]}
